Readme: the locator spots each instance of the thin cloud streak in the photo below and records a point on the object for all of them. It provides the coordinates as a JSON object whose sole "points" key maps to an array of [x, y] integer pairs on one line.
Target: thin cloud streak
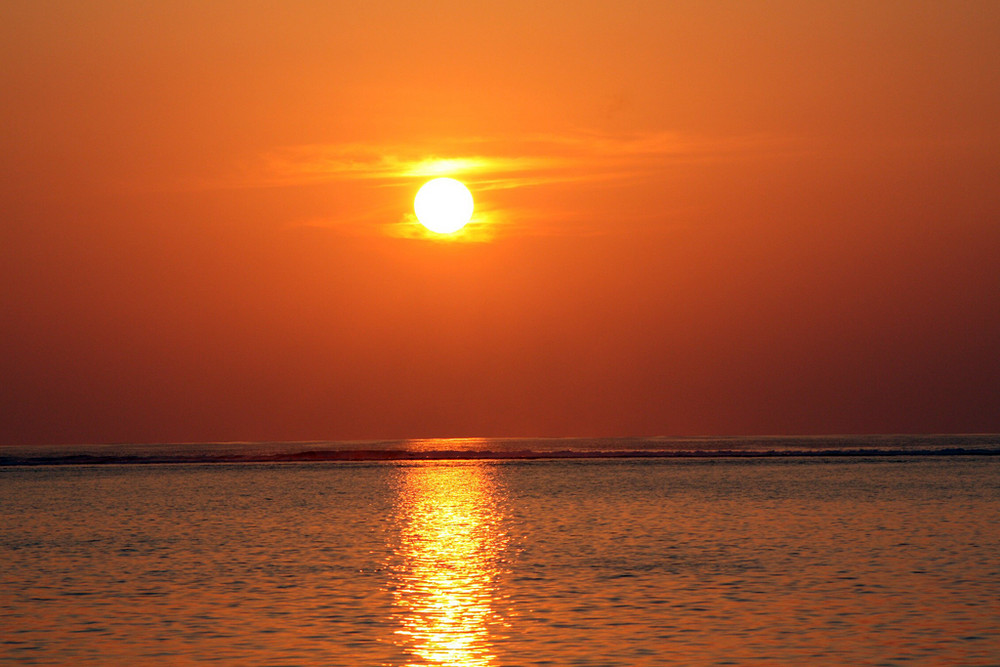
{"points": [[541, 158], [497, 165]]}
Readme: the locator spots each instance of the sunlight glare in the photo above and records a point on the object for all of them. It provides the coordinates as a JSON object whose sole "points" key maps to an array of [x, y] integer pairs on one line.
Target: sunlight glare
{"points": [[443, 205]]}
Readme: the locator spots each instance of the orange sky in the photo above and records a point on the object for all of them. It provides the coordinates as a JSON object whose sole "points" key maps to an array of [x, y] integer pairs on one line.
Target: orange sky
{"points": [[692, 218]]}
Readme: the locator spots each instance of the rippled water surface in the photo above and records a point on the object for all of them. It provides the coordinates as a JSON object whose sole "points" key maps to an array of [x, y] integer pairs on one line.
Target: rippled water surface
{"points": [[540, 562]]}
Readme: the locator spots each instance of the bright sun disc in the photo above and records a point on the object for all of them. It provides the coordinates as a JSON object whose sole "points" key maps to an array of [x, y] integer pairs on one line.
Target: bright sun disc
{"points": [[443, 205]]}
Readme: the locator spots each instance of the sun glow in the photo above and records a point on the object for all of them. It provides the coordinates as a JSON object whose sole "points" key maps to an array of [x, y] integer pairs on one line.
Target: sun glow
{"points": [[443, 205]]}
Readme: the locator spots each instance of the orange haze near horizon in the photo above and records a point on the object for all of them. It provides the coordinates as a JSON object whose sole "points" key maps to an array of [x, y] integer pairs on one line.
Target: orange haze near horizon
{"points": [[691, 218]]}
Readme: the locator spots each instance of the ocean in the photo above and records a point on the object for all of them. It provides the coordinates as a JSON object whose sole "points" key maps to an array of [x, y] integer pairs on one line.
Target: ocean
{"points": [[881, 550]]}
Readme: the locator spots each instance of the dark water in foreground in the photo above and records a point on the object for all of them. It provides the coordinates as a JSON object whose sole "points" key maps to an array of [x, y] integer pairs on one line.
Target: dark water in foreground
{"points": [[793, 560]]}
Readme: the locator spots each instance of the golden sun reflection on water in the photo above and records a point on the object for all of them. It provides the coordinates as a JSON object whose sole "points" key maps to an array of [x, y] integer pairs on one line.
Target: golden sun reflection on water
{"points": [[446, 561]]}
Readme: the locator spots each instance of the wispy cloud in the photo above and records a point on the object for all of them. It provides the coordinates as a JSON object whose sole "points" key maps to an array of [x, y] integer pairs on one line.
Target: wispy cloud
{"points": [[492, 164], [536, 158]]}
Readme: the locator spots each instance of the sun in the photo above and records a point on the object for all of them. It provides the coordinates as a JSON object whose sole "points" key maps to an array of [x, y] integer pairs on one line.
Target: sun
{"points": [[443, 205]]}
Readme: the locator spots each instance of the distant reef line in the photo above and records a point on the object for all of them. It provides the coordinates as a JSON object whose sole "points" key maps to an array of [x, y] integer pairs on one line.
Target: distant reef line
{"points": [[461, 455]]}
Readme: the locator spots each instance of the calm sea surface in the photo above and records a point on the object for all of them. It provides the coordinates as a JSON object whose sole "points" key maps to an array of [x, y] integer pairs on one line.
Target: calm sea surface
{"points": [[812, 560]]}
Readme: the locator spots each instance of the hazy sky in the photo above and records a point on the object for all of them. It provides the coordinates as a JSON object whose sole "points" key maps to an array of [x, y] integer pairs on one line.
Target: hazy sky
{"points": [[692, 218]]}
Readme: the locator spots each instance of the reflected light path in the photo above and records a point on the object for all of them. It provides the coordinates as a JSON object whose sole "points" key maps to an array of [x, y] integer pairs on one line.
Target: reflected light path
{"points": [[448, 555]]}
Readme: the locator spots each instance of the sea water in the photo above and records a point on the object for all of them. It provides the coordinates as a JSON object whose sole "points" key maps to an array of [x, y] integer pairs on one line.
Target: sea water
{"points": [[814, 560]]}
